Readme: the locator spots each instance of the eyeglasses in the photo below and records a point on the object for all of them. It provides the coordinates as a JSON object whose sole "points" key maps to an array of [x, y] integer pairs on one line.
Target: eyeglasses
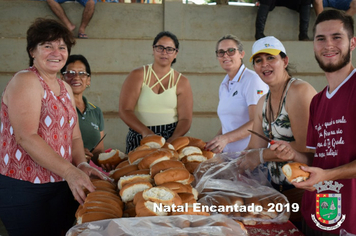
{"points": [[229, 52], [160, 48], [71, 74]]}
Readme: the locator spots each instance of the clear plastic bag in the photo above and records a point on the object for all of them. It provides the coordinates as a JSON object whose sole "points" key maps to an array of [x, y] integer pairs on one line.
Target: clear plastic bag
{"points": [[192, 225], [221, 185]]}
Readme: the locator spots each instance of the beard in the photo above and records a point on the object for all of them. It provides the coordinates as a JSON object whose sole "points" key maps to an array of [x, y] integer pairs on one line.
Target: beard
{"points": [[330, 67]]}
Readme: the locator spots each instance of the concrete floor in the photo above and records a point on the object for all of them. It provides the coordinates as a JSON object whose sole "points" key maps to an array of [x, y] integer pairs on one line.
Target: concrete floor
{"points": [[3, 231]]}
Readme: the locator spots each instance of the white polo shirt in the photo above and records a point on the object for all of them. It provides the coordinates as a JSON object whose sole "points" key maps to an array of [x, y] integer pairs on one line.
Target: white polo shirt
{"points": [[235, 97]]}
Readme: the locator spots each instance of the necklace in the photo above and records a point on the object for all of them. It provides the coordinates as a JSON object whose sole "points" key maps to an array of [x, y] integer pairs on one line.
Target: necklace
{"points": [[271, 115]]}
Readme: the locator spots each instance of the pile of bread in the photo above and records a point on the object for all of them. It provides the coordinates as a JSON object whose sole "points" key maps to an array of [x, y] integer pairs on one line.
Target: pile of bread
{"points": [[156, 172], [251, 213]]}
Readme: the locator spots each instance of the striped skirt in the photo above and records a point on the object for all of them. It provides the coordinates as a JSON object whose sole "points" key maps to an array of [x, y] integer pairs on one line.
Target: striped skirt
{"points": [[133, 138]]}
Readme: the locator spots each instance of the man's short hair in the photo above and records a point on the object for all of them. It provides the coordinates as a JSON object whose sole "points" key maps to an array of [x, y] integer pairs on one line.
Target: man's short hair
{"points": [[334, 14]]}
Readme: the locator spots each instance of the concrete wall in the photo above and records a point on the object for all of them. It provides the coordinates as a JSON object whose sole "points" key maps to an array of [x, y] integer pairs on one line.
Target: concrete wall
{"points": [[121, 38]]}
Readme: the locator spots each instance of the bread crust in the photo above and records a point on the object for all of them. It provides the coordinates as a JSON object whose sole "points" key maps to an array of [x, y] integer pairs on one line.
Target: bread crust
{"points": [[127, 193], [154, 157], [172, 175], [135, 156], [294, 173], [164, 165], [118, 173], [180, 142], [94, 216], [153, 140], [116, 156], [162, 195], [196, 142]]}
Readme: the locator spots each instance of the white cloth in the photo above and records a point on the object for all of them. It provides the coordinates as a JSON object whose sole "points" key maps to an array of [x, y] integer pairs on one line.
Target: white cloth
{"points": [[235, 97]]}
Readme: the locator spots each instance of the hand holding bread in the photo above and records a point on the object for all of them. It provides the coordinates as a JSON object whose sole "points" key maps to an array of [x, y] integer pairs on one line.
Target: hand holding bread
{"points": [[294, 173]]}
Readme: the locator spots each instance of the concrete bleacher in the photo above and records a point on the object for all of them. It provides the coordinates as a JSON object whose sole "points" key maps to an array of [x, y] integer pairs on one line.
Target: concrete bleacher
{"points": [[120, 39]]}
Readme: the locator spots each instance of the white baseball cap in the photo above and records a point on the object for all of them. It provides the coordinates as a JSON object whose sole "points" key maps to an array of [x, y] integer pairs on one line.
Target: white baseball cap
{"points": [[269, 44]]}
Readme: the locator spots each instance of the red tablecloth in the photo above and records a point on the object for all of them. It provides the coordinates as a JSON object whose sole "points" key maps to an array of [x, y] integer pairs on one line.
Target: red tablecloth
{"points": [[286, 229]]}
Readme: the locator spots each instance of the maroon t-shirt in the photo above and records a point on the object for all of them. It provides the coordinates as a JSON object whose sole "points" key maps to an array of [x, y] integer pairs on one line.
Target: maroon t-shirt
{"points": [[332, 132]]}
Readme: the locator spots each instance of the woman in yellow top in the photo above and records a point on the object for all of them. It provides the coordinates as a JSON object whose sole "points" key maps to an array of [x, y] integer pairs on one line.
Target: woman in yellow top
{"points": [[155, 98]]}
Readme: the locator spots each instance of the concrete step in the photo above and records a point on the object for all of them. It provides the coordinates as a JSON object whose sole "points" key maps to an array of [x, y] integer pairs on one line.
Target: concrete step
{"points": [[121, 38]]}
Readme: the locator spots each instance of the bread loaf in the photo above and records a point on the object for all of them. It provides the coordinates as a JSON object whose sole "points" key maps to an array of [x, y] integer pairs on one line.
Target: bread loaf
{"points": [[164, 165], [153, 140], [180, 142], [294, 173]]}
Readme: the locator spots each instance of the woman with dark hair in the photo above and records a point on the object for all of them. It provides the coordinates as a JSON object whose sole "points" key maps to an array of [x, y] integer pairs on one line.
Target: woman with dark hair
{"points": [[281, 114], [42, 160], [77, 74], [155, 98]]}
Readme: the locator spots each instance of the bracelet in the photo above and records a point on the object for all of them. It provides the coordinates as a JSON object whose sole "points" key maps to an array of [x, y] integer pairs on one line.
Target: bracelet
{"points": [[82, 163], [261, 156]]}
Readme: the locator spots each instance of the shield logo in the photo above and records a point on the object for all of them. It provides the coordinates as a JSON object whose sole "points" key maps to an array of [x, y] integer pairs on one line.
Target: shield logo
{"points": [[328, 208]]}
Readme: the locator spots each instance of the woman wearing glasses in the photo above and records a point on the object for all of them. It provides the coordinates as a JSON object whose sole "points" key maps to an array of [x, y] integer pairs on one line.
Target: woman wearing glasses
{"points": [[238, 95], [77, 74], [155, 98], [42, 160]]}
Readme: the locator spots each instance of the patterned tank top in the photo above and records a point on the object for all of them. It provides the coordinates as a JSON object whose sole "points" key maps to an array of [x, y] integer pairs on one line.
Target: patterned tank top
{"points": [[57, 120], [281, 130]]}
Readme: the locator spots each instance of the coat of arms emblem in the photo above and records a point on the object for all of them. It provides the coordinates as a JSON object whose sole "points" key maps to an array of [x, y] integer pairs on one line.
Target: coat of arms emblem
{"points": [[328, 214]]}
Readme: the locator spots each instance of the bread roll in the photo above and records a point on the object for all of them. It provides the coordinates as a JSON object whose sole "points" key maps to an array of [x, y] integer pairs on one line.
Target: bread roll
{"points": [[188, 150], [122, 164], [102, 198], [138, 197], [136, 156], [139, 172], [196, 142], [208, 154], [104, 193], [173, 175], [191, 166], [94, 216], [128, 192], [164, 165], [114, 157], [146, 208], [101, 205], [255, 202], [118, 173], [162, 195], [117, 212], [180, 142], [133, 178], [153, 140], [194, 158], [188, 198], [103, 183], [153, 158], [294, 173], [168, 146], [181, 188]]}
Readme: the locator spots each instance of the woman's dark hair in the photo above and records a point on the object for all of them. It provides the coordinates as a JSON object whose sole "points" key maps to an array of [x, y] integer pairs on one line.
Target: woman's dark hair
{"points": [[334, 14], [74, 58], [170, 35], [47, 30], [289, 67]]}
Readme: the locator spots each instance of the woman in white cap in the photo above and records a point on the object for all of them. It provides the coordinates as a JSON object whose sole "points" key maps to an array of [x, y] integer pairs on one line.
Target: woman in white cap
{"points": [[238, 95], [282, 114]]}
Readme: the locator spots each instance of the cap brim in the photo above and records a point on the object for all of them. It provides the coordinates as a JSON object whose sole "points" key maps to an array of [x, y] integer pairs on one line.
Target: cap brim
{"points": [[271, 51]]}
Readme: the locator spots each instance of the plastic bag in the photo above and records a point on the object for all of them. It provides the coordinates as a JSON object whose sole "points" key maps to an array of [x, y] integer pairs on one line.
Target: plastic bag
{"points": [[248, 198], [193, 225]]}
